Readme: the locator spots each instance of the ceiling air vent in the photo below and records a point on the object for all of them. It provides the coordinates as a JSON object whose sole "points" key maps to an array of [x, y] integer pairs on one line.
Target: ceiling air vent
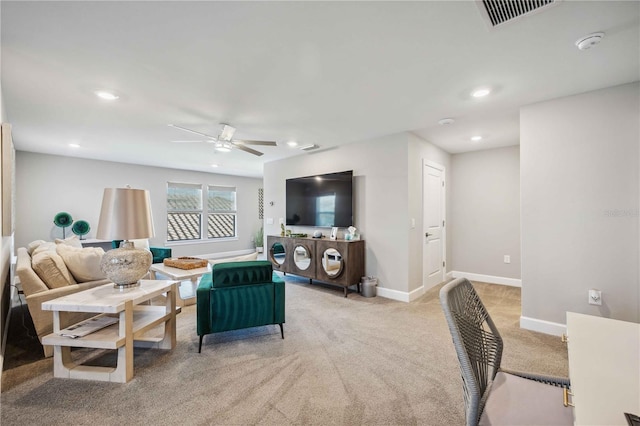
{"points": [[500, 11], [309, 147]]}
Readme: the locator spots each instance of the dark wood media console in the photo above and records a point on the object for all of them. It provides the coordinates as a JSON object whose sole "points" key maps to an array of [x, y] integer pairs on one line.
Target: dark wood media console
{"points": [[338, 262]]}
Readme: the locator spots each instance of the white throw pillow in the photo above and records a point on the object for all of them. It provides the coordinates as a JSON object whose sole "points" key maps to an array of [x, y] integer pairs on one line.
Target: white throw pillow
{"points": [[34, 245], [48, 246], [72, 241], [84, 263], [51, 269]]}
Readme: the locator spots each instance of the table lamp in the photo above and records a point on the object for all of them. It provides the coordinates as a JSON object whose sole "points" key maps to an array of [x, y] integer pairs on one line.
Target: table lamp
{"points": [[125, 215]]}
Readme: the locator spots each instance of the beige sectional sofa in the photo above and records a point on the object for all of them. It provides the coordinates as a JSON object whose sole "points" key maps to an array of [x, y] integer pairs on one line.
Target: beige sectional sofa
{"points": [[46, 276]]}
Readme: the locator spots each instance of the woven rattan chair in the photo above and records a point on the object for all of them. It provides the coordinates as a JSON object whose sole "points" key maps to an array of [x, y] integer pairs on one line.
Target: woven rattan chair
{"points": [[493, 395]]}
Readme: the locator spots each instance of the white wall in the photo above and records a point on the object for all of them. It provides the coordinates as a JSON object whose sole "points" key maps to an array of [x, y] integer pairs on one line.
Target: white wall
{"points": [[580, 200], [485, 212], [386, 185], [48, 184]]}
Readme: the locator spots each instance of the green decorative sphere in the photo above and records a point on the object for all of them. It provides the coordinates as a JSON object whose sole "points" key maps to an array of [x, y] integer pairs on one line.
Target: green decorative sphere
{"points": [[63, 219], [80, 227]]}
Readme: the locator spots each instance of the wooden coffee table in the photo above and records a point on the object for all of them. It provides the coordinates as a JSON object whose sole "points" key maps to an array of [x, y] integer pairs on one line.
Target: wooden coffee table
{"points": [[134, 320], [177, 274]]}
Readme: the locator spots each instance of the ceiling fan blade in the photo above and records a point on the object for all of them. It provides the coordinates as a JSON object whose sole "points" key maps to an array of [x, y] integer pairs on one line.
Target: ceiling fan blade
{"points": [[250, 142], [247, 149], [193, 131]]}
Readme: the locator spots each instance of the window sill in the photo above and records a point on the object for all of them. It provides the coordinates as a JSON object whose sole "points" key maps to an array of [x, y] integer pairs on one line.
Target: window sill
{"points": [[198, 242]]}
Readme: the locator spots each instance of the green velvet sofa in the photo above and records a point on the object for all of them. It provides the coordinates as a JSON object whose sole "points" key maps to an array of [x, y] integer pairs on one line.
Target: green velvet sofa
{"points": [[238, 295]]}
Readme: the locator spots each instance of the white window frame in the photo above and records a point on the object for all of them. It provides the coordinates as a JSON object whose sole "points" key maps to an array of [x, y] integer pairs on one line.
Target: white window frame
{"points": [[203, 212], [233, 212]]}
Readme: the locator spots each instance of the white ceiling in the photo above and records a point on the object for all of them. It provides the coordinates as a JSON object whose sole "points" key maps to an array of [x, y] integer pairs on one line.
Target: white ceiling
{"points": [[326, 73]]}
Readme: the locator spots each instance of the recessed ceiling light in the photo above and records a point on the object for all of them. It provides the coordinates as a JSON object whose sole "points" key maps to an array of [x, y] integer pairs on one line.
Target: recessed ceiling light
{"points": [[446, 121], [107, 96], [214, 166], [74, 145], [476, 138], [482, 92], [589, 41], [292, 143]]}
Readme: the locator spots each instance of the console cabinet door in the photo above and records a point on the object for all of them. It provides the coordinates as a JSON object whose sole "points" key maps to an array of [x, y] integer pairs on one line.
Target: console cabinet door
{"points": [[278, 252], [340, 262], [302, 257]]}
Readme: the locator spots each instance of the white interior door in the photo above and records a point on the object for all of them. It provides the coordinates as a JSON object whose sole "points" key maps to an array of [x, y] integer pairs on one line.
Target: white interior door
{"points": [[433, 225]]}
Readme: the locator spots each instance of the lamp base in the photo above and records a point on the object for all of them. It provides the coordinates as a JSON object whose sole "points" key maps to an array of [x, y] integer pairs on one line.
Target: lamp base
{"points": [[126, 286], [125, 266]]}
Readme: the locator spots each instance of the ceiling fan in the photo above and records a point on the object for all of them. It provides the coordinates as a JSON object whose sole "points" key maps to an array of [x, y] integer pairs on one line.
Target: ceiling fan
{"points": [[224, 142]]}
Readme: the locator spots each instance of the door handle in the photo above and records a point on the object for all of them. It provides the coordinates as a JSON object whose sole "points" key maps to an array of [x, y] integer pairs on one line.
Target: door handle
{"points": [[427, 235]]}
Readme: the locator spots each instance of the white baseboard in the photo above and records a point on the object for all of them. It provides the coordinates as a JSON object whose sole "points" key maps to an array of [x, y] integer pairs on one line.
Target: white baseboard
{"points": [[401, 296], [413, 295], [513, 282], [226, 254], [449, 276], [542, 326]]}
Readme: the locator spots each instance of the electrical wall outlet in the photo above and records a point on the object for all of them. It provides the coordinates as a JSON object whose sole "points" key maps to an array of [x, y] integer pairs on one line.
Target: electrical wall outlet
{"points": [[595, 297], [507, 258]]}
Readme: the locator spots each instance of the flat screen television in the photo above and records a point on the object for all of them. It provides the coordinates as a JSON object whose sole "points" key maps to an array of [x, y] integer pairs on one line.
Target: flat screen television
{"points": [[322, 200]]}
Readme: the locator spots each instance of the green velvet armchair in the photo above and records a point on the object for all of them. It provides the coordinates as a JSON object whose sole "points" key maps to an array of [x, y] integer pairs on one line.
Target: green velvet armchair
{"points": [[238, 295], [158, 253]]}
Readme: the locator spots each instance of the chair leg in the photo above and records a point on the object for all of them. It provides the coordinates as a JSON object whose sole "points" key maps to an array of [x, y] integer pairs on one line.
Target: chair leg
{"points": [[281, 330], [200, 346]]}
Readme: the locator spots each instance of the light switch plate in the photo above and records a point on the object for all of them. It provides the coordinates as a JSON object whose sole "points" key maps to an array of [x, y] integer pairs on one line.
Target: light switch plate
{"points": [[595, 297]]}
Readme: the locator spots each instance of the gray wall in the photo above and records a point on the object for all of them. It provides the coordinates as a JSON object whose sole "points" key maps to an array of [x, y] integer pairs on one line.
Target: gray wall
{"points": [[579, 199], [385, 173], [485, 191], [48, 184]]}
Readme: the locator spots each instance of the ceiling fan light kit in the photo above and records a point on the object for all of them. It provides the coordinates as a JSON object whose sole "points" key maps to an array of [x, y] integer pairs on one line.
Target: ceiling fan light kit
{"points": [[223, 146]]}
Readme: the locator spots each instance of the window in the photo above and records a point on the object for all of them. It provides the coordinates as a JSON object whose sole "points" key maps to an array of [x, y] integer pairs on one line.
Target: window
{"points": [[187, 206], [221, 212]]}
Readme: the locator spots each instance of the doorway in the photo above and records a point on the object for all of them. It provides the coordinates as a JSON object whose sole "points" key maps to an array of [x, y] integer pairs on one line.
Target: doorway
{"points": [[434, 235]]}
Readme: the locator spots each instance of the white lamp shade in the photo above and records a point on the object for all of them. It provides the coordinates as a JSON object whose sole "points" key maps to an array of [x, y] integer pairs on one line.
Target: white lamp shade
{"points": [[125, 215]]}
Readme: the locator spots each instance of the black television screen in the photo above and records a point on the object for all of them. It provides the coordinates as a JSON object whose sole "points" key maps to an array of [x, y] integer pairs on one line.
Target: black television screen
{"points": [[322, 200]]}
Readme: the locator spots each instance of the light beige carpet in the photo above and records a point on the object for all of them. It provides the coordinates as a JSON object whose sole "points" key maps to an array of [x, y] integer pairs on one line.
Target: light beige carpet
{"points": [[348, 361]]}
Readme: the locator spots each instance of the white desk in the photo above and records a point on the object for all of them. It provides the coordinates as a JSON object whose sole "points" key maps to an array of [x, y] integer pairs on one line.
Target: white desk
{"points": [[604, 368]]}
